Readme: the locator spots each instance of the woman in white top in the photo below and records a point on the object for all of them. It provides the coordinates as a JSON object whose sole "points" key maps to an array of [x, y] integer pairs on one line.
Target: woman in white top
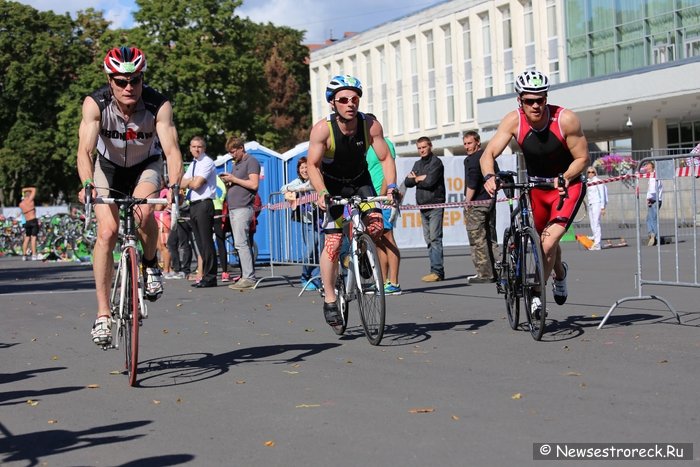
{"points": [[597, 201]]}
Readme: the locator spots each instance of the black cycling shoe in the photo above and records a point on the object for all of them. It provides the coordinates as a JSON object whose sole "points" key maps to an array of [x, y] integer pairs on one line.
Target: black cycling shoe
{"points": [[332, 314]]}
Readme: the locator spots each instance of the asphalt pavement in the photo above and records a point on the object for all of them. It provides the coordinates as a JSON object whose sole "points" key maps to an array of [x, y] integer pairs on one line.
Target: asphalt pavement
{"points": [[256, 378]]}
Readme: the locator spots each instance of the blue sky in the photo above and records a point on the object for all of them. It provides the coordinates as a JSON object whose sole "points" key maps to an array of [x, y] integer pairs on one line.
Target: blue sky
{"points": [[330, 18]]}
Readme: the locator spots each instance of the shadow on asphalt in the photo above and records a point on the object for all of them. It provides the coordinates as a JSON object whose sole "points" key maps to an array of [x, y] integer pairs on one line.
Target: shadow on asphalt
{"points": [[412, 333], [31, 447], [160, 461], [20, 375], [21, 397], [193, 367], [574, 326]]}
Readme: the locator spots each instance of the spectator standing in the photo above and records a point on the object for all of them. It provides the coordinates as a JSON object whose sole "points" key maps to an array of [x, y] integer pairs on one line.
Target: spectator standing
{"points": [[597, 196], [162, 215], [387, 249], [480, 219], [200, 179], [428, 176], [31, 223], [219, 233], [243, 186], [654, 199], [307, 215], [179, 244]]}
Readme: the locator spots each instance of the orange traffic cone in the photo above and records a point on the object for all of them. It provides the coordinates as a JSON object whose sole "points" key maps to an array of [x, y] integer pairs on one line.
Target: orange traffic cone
{"points": [[585, 241]]}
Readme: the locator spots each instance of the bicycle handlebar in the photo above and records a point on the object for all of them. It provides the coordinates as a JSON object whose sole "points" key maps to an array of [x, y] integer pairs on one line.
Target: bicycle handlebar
{"points": [[341, 201], [562, 184]]}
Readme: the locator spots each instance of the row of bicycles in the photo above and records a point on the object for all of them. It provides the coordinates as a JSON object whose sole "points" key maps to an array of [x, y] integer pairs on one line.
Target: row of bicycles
{"points": [[61, 237]]}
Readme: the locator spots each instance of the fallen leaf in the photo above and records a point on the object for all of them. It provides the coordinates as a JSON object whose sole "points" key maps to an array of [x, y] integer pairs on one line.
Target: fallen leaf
{"points": [[206, 332], [52, 422], [594, 315], [93, 386], [59, 317], [662, 361], [348, 361], [307, 406], [309, 330], [240, 381], [422, 410], [296, 365], [399, 358], [178, 400], [178, 305], [268, 306], [115, 372], [572, 373], [32, 403], [583, 385], [475, 332], [565, 347], [34, 339], [270, 444], [455, 417], [516, 396], [55, 357], [291, 372], [156, 402], [165, 331]]}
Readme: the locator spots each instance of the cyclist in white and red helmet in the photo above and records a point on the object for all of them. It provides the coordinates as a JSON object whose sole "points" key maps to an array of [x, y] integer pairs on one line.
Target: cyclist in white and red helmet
{"points": [[552, 143], [125, 130]]}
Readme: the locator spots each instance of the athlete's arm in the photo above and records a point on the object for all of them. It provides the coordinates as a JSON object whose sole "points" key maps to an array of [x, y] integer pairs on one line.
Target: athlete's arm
{"points": [[576, 141], [506, 130], [31, 192], [87, 141], [167, 134], [318, 142]]}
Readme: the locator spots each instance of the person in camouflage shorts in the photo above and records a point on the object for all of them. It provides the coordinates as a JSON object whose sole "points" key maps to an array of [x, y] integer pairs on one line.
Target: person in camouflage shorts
{"points": [[480, 219]]}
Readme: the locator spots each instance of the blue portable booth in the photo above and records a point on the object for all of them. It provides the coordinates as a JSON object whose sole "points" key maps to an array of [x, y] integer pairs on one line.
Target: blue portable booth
{"points": [[271, 179]]}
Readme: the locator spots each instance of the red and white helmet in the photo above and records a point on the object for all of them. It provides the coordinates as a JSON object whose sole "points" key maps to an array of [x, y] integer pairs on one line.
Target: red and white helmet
{"points": [[125, 60]]}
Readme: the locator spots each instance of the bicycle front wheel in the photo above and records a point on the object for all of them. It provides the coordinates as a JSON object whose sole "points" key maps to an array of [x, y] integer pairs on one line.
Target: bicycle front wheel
{"points": [[508, 278], [370, 285], [343, 303], [131, 313], [533, 282]]}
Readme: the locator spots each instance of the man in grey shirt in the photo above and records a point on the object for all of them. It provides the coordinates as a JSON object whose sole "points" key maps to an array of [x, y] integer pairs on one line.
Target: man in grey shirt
{"points": [[243, 185]]}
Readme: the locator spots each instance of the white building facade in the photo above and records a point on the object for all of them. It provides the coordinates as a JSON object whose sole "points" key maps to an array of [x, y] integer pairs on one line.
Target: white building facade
{"points": [[450, 68]]}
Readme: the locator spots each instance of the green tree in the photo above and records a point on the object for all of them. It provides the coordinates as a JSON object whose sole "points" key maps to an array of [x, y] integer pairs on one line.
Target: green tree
{"points": [[39, 60]]}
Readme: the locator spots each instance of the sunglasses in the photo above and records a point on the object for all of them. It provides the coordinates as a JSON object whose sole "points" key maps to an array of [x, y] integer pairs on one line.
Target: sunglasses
{"points": [[344, 100], [531, 102], [591, 172], [122, 83]]}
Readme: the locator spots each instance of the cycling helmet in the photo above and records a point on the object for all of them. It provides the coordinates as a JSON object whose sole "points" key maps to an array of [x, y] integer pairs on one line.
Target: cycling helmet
{"points": [[531, 81], [124, 60], [340, 82]]}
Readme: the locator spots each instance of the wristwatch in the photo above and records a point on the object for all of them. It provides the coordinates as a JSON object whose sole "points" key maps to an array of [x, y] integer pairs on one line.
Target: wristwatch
{"points": [[487, 177]]}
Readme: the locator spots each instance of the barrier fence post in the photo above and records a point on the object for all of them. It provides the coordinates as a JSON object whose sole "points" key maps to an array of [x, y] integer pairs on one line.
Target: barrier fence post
{"points": [[665, 259]]}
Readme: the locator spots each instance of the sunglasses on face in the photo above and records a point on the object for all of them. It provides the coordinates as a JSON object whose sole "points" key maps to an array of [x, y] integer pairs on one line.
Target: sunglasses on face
{"points": [[344, 100], [124, 82], [531, 102], [591, 172]]}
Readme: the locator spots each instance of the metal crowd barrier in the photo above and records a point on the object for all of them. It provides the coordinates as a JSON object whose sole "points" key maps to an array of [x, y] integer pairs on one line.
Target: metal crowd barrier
{"points": [[673, 260], [294, 239]]}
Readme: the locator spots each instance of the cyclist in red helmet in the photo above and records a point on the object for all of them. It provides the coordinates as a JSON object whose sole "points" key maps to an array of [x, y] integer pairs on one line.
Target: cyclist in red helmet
{"points": [[125, 130]]}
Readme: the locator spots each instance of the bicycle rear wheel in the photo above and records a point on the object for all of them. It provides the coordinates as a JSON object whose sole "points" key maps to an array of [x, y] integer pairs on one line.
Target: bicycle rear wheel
{"points": [[131, 314], [343, 303], [370, 284], [533, 282], [508, 278]]}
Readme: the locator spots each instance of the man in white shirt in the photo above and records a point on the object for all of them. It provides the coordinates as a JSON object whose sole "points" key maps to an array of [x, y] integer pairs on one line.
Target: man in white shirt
{"points": [[597, 202], [654, 197], [200, 180]]}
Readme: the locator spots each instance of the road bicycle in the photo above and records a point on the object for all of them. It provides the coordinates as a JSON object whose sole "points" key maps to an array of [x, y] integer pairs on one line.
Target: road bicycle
{"points": [[126, 298], [362, 281], [521, 268]]}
